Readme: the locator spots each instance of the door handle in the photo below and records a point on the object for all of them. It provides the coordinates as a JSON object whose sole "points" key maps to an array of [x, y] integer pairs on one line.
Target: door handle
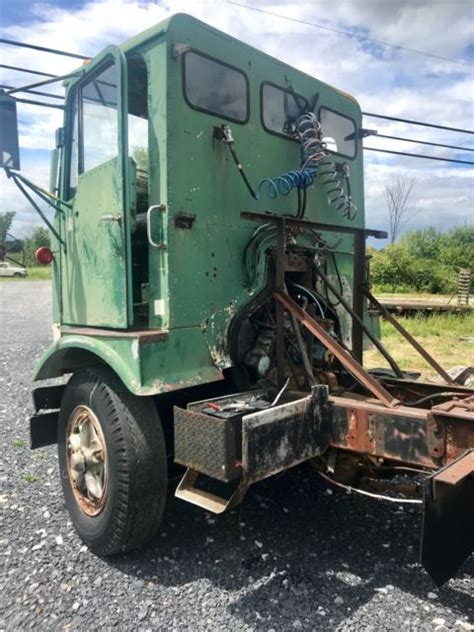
{"points": [[155, 207]]}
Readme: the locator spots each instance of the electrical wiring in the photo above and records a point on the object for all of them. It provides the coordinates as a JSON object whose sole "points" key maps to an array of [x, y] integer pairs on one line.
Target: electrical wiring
{"points": [[363, 492]]}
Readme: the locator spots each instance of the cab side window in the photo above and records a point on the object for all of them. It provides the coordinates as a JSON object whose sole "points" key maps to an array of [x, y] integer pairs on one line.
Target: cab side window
{"points": [[215, 87], [339, 132], [93, 123], [99, 119], [280, 107]]}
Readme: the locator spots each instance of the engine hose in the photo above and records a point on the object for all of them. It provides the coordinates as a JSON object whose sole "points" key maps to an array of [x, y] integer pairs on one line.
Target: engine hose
{"points": [[282, 185], [314, 160], [334, 189], [308, 132]]}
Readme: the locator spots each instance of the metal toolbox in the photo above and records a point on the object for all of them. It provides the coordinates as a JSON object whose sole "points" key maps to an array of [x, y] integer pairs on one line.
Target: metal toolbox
{"points": [[254, 441], [208, 443]]}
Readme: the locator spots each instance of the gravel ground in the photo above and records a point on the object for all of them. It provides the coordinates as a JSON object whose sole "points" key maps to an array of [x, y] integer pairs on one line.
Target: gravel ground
{"points": [[295, 556]]}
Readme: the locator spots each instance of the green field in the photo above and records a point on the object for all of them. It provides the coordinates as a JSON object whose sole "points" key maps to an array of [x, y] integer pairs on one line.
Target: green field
{"points": [[447, 337]]}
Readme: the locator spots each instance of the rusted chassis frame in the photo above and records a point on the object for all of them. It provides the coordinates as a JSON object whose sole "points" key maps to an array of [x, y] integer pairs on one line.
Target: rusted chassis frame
{"points": [[411, 436]]}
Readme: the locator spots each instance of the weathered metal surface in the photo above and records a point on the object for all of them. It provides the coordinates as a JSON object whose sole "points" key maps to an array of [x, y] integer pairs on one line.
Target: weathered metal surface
{"points": [[456, 407], [199, 279], [44, 429], [278, 438], [48, 397], [458, 470], [385, 434], [143, 337], [308, 223], [448, 520], [188, 491], [341, 354], [146, 367], [359, 307], [410, 435], [210, 445], [459, 435], [87, 461]]}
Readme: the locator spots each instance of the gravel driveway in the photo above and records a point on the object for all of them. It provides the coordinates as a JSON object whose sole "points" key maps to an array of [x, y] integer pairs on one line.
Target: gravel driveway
{"points": [[295, 556]]}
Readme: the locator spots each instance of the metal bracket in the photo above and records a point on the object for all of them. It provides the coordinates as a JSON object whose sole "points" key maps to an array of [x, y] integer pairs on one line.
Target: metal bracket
{"points": [[206, 500], [179, 49], [357, 370]]}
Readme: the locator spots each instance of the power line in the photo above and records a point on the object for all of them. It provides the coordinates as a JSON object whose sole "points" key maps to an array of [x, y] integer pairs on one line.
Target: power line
{"points": [[423, 142], [362, 38], [37, 92], [46, 105], [402, 153], [44, 49], [44, 82], [31, 72], [54, 78], [402, 120]]}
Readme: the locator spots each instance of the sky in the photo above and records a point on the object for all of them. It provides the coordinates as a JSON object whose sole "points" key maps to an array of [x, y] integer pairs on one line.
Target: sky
{"points": [[384, 79]]}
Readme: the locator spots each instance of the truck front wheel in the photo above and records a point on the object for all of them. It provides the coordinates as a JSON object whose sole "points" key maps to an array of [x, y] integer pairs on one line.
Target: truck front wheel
{"points": [[112, 460]]}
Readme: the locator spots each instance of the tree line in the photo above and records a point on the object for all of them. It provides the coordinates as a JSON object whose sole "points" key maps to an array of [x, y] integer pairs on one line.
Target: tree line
{"points": [[424, 260]]}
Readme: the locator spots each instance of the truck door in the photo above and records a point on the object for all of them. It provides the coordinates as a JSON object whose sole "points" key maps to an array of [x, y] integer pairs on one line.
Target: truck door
{"points": [[96, 268]]}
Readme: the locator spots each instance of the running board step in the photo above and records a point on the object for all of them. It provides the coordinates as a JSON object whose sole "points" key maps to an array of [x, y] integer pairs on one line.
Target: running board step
{"points": [[206, 500]]}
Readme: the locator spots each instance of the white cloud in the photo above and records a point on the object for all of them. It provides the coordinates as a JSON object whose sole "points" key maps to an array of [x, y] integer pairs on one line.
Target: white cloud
{"points": [[383, 79]]}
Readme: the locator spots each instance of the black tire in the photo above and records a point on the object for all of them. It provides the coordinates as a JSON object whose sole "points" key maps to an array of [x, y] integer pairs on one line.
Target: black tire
{"points": [[136, 463], [17, 274]]}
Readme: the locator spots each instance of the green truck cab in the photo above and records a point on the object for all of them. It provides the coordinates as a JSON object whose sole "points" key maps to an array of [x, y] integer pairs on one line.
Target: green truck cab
{"points": [[211, 293]]}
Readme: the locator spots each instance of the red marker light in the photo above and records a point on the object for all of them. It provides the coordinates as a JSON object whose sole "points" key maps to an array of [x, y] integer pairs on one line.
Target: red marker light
{"points": [[43, 256]]}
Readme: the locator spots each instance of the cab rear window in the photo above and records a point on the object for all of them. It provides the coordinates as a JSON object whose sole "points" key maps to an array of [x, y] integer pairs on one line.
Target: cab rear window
{"points": [[214, 87], [280, 108], [339, 132]]}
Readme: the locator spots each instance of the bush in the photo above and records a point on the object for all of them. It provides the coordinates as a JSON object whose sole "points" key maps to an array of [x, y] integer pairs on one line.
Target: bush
{"points": [[423, 261]]}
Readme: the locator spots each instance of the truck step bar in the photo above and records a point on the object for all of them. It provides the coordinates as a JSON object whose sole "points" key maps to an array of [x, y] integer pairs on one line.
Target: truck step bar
{"points": [[204, 499]]}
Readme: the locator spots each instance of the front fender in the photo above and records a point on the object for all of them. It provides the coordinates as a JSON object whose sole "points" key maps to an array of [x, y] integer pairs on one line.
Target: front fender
{"points": [[147, 366], [75, 351]]}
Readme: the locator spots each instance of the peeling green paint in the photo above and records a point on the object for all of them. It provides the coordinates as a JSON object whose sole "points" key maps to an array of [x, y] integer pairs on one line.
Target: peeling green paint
{"points": [[198, 283]]}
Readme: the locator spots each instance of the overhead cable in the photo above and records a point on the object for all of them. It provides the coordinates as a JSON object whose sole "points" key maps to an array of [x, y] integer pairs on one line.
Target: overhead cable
{"points": [[422, 123], [27, 70], [37, 92], [402, 153], [423, 142], [44, 49], [362, 38]]}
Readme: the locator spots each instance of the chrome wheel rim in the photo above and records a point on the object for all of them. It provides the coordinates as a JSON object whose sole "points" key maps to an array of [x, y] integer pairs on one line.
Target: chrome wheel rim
{"points": [[87, 460]]}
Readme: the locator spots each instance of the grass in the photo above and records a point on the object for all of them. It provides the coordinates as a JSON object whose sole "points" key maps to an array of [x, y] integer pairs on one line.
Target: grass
{"points": [[30, 478], [38, 273], [449, 338], [18, 443]]}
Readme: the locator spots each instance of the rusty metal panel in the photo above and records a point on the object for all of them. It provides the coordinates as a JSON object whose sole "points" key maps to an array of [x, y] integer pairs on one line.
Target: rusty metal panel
{"points": [[402, 434], [274, 440], [400, 438]]}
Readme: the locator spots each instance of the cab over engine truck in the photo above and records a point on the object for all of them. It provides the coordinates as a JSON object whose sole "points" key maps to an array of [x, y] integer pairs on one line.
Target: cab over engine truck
{"points": [[212, 298]]}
